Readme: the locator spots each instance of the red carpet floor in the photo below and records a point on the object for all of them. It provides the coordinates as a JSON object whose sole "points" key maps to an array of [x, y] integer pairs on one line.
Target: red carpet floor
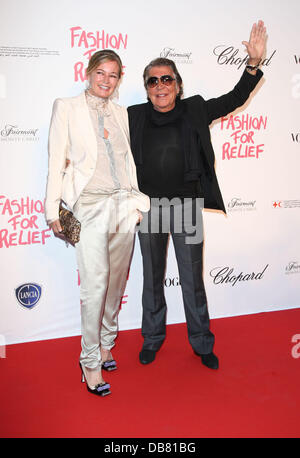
{"points": [[255, 392]]}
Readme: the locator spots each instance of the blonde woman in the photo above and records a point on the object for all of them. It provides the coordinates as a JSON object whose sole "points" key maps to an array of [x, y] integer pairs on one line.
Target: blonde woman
{"points": [[91, 169]]}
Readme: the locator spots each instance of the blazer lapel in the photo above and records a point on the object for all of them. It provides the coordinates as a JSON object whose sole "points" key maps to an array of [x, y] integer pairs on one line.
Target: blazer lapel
{"points": [[120, 120], [121, 117], [86, 129]]}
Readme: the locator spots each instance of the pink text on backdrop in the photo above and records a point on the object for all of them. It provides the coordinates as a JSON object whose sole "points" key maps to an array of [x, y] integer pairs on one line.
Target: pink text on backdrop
{"points": [[124, 300], [243, 145], [23, 219], [93, 41]]}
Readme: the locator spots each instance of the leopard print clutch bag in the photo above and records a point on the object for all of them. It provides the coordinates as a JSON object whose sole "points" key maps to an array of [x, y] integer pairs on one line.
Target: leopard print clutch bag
{"points": [[70, 225]]}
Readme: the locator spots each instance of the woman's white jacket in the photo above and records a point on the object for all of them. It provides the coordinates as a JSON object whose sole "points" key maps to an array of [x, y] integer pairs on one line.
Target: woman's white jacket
{"points": [[72, 138]]}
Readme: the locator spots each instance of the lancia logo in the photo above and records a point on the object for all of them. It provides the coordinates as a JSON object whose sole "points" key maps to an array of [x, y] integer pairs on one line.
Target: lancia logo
{"points": [[28, 294]]}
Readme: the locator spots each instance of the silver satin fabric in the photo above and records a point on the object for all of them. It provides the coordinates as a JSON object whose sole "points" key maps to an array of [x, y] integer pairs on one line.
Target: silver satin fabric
{"points": [[108, 219], [110, 153], [103, 253]]}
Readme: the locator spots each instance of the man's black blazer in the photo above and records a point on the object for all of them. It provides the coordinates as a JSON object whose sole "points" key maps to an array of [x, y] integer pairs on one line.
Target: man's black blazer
{"points": [[200, 115]]}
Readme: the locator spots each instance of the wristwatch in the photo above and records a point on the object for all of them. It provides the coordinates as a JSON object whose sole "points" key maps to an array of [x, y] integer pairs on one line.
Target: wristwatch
{"points": [[252, 67]]}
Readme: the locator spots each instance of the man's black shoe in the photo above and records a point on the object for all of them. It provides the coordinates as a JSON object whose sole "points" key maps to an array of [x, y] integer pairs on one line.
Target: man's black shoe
{"points": [[210, 360], [147, 356]]}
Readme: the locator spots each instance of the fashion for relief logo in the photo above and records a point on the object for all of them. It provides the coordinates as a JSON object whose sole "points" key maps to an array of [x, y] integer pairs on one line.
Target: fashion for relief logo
{"points": [[296, 348], [23, 218], [93, 41], [242, 142]]}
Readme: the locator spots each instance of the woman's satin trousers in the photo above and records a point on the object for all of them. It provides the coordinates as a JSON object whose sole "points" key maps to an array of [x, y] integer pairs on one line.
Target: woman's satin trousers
{"points": [[103, 255]]}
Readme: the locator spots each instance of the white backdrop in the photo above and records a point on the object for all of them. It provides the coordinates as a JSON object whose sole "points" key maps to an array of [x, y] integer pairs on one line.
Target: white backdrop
{"points": [[252, 255]]}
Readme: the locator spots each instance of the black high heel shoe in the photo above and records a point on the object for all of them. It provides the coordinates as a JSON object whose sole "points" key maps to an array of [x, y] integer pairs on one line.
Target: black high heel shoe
{"points": [[109, 365], [102, 389]]}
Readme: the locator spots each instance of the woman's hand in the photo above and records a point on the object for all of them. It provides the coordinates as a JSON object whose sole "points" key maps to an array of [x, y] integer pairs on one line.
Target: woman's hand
{"points": [[56, 227], [257, 43]]}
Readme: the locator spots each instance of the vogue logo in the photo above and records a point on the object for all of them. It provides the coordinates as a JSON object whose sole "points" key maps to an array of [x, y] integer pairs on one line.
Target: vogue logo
{"points": [[237, 204], [172, 282], [228, 55], [28, 295], [226, 275], [296, 137]]}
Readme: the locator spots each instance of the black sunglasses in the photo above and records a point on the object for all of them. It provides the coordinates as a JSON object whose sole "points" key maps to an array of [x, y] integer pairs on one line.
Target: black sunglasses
{"points": [[153, 81]]}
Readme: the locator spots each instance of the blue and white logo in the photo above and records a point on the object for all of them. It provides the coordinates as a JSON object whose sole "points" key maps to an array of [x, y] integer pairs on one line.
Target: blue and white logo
{"points": [[28, 294]]}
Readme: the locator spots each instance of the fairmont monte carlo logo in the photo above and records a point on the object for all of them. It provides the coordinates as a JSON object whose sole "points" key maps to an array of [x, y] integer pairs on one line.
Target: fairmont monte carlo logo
{"points": [[293, 267], [15, 133], [180, 57], [236, 204]]}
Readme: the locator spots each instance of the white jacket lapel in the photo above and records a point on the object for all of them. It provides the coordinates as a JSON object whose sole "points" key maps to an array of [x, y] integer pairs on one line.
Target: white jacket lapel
{"points": [[86, 130]]}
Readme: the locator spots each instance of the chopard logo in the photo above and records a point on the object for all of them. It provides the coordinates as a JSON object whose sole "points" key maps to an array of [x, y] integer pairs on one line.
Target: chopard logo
{"points": [[229, 55], [226, 275]]}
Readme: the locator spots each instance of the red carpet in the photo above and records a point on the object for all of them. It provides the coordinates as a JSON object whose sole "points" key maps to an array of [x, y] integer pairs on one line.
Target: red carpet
{"points": [[255, 392]]}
